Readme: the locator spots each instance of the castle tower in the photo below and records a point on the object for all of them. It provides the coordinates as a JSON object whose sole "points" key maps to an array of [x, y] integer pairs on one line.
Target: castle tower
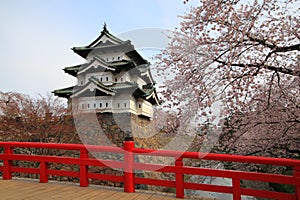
{"points": [[114, 79]]}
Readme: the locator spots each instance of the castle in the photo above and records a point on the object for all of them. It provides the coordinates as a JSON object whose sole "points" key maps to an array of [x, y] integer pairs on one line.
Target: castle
{"points": [[114, 79]]}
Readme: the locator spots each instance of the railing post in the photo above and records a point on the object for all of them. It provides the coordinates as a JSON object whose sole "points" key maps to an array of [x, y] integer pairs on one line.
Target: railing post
{"points": [[84, 169], [179, 179], [297, 180], [7, 163], [43, 172], [128, 165], [236, 187]]}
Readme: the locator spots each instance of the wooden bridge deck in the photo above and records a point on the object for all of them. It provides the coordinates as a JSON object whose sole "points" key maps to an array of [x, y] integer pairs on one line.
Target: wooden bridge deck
{"points": [[32, 189]]}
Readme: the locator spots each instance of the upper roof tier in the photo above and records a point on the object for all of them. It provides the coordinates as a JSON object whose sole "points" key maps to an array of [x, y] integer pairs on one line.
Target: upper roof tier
{"points": [[115, 66], [108, 42]]}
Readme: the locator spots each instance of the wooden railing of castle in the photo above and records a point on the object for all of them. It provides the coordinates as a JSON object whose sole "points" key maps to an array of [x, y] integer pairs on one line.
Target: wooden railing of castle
{"points": [[128, 165]]}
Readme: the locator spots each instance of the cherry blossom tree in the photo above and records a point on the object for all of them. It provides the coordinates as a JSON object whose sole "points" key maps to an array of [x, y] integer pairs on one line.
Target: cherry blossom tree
{"points": [[41, 119], [242, 57], [269, 127]]}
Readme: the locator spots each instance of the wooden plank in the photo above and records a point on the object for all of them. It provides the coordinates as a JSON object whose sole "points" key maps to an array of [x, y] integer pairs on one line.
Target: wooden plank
{"points": [[32, 189], [13, 190]]}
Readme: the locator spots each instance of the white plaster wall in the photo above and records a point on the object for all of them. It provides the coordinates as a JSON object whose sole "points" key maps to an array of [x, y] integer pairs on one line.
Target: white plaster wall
{"points": [[126, 77], [121, 105], [147, 108], [122, 77], [138, 80], [108, 57], [118, 105], [80, 80], [92, 103], [144, 108]]}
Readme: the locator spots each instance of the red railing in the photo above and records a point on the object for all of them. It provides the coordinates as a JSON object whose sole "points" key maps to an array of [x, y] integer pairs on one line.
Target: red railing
{"points": [[129, 166]]}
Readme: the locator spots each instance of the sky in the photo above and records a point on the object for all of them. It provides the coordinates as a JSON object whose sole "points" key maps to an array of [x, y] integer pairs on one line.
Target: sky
{"points": [[36, 36]]}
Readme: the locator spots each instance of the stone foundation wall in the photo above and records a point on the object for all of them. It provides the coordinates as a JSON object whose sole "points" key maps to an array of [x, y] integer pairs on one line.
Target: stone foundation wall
{"points": [[111, 129]]}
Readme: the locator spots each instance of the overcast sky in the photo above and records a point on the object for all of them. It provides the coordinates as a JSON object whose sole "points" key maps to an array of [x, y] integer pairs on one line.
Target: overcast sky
{"points": [[36, 36]]}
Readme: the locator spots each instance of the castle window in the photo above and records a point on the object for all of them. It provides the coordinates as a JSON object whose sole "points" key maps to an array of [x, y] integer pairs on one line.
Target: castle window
{"points": [[94, 105], [140, 105], [106, 104], [121, 79], [106, 78], [81, 83], [88, 105], [106, 59], [116, 80], [100, 105], [118, 105], [119, 58], [101, 79], [112, 58], [125, 105]]}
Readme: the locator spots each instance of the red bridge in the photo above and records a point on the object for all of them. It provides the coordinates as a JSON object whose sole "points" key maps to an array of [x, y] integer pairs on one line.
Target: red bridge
{"points": [[129, 165]]}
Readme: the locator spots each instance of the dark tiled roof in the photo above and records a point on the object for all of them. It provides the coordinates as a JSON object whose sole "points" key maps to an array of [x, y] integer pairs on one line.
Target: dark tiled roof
{"points": [[98, 45], [72, 70], [64, 92], [118, 65], [85, 50]]}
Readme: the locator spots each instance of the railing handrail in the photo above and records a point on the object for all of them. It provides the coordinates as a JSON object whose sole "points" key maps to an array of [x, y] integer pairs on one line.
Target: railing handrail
{"points": [[219, 157], [129, 166], [61, 146], [158, 152]]}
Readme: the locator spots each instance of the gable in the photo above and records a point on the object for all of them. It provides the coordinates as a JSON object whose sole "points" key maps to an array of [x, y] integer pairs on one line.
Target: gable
{"points": [[105, 41], [93, 88], [95, 63]]}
